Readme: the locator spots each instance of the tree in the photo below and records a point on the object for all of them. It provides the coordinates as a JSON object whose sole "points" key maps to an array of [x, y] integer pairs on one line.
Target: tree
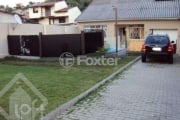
{"points": [[8, 9], [31, 3], [2, 7], [19, 6], [82, 4]]}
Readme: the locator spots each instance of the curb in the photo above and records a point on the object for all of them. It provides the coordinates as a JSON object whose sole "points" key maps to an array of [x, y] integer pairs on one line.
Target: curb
{"points": [[53, 115]]}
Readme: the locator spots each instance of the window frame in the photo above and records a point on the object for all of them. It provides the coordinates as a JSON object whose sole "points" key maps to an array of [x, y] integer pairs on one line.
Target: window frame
{"points": [[94, 28], [60, 19], [138, 30], [35, 10]]}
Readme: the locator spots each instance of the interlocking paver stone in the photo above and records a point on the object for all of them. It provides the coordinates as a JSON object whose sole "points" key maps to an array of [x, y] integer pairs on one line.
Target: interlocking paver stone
{"points": [[148, 91]]}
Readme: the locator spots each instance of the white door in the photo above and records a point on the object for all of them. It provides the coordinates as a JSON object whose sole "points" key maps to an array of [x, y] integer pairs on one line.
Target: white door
{"points": [[173, 34]]}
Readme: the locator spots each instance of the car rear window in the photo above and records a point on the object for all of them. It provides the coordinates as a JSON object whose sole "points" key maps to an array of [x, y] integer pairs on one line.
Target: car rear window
{"points": [[157, 40]]}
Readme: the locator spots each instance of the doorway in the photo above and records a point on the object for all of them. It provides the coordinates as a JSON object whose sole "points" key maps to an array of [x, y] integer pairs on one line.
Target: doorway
{"points": [[122, 38]]}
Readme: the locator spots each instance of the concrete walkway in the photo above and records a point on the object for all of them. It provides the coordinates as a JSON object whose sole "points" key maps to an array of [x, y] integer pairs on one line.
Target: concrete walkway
{"points": [[149, 91]]}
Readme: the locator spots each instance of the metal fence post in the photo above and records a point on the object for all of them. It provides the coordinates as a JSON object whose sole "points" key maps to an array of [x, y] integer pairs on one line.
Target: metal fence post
{"points": [[40, 44], [82, 43]]}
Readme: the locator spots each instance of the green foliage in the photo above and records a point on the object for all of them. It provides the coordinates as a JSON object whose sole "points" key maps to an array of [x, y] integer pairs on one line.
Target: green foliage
{"points": [[57, 84], [8, 9], [82, 4], [2, 6], [102, 50]]}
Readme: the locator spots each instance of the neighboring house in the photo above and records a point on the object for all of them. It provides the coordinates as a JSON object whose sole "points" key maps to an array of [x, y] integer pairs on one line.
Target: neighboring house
{"points": [[6, 17], [136, 19], [53, 13], [22, 12]]}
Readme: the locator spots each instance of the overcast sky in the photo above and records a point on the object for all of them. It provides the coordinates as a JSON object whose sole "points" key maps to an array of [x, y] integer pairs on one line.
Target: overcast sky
{"points": [[12, 3]]}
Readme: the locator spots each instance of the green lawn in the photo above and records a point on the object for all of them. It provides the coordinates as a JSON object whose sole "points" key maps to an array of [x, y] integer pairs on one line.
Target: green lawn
{"points": [[57, 84]]}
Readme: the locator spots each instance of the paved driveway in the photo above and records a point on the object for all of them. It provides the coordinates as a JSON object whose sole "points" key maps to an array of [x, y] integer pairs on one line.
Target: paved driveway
{"points": [[148, 91]]}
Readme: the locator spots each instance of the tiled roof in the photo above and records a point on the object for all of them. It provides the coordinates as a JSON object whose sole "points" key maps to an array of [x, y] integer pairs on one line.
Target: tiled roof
{"points": [[48, 4], [62, 10], [102, 10]]}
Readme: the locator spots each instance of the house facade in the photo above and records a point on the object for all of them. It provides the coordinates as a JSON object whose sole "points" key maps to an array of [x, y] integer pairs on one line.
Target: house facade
{"points": [[135, 20], [53, 13]]}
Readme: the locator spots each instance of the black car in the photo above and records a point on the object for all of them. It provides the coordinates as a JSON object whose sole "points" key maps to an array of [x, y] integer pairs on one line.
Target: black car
{"points": [[157, 45]]}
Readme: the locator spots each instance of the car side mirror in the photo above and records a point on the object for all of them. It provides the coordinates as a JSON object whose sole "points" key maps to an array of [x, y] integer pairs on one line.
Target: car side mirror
{"points": [[172, 41]]}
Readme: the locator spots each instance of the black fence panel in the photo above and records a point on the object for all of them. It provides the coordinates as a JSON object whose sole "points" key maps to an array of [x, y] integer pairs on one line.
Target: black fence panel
{"points": [[30, 45], [14, 45], [93, 41], [55, 45], [23, 45]]}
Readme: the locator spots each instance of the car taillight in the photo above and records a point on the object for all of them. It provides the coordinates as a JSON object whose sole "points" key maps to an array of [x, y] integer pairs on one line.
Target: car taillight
{"points": [[170, 48], [143, 48]]}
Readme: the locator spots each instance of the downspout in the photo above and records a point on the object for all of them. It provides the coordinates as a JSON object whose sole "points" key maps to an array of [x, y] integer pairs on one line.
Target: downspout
{"points": [[179, 8], [178, 39]]}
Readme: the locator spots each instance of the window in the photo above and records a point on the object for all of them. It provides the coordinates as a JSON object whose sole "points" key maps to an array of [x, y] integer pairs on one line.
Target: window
{"points": [[136, 32], [62, 20], [94, 28], [157, 40], [35, 10]]}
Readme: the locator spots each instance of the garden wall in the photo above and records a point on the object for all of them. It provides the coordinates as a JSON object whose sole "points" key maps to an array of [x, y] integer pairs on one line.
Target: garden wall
{"points": [[54, 45], [30, 29]]}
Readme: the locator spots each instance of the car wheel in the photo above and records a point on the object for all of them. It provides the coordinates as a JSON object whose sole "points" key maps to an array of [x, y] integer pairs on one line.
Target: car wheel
{"points": [[171, 60], [143, 58]]}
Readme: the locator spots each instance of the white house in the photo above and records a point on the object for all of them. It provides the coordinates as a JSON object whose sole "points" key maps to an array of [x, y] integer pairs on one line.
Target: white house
{"points": [[53, 13]]}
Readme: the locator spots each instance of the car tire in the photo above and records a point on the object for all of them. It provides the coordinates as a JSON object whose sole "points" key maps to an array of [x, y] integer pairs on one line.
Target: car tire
{"points": [[171, 60], [143, 58]]}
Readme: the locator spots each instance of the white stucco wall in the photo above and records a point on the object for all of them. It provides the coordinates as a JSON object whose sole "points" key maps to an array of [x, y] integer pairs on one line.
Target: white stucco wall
{"points": [[35, 29], [25, 29], [53, 29], [72, 30], [7, 18], [3, 40]]}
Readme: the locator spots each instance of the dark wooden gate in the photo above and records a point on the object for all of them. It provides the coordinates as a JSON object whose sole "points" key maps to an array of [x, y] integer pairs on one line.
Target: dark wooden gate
{"points": [[55, 45], [24, 45], [93, 41]]}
